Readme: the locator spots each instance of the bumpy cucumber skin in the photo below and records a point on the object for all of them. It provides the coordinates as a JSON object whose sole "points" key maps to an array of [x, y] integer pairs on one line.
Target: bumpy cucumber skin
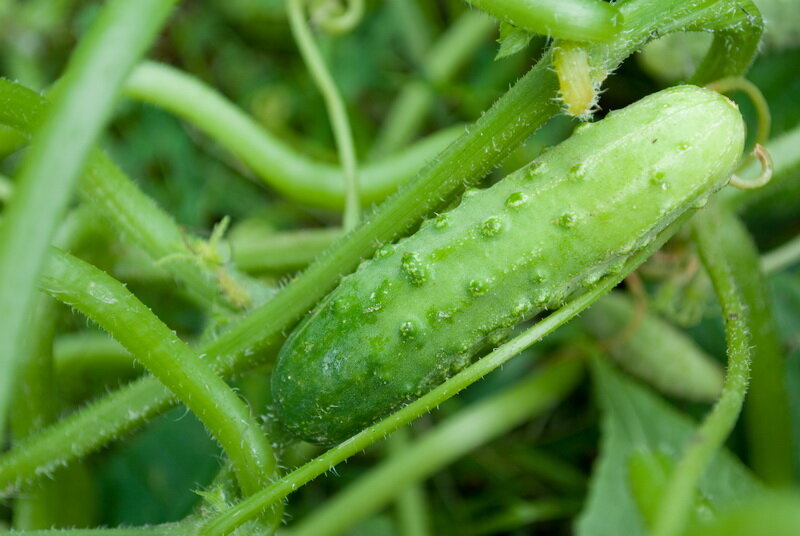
{"points": [[419, 310]]}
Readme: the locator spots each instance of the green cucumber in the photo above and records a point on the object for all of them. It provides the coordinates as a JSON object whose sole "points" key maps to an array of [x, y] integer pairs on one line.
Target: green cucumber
{"points": [[654, 351], [421, 309]]}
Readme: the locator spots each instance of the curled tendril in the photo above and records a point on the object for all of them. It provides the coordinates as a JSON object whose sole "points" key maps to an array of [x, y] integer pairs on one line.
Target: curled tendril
{"points": [[733, 83], [763, 178], [336, 19]]}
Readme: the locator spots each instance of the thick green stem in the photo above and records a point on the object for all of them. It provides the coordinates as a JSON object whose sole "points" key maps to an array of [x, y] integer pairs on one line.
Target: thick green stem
{"points": [[451, 439], [720, 253], [507, 124], [333, 102], [579, 20], [107, 302], [82, 104]]}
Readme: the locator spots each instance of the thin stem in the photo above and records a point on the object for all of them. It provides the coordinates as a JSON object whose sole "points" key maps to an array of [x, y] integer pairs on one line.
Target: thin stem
{"points": [[293, 175], [250, 508], [579, 20], [82, 104], [451, 439], [335, 105], [719, 254], [113, 307], [445, 58], [507, 124]]}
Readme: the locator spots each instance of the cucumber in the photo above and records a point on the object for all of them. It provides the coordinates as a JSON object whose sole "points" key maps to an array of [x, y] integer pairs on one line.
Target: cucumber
{"points": [[655, 352], [421, 309]]}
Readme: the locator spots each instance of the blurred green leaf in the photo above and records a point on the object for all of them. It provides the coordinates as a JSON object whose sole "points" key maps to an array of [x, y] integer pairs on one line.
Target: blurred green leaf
{"points": [[637, 423]]}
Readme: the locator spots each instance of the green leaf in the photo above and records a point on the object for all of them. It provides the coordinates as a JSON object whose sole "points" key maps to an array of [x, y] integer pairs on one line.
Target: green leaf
{"points": [[512, 40], [641, 431]]}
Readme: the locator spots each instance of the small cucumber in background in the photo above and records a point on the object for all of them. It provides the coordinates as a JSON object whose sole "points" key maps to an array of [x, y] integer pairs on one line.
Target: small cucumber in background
{"points": [[655, 351], [421, 309]]}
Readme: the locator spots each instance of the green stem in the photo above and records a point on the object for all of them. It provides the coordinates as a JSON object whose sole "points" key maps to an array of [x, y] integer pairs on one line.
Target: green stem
{"points": [[447, 55], [251, 507], [335, 105], [719, 255], [507, 124], [292, 174], [413, 518], [281, 252], [767, 414], [35, 406], [451, 439], [82, 104], [113, 307], [578, 20], [520, 515], [412, 27], [118, 200]]}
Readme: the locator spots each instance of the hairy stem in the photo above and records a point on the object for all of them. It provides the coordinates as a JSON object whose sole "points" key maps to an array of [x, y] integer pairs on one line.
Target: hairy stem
{"points": [[82, 104], [113, 307], [719, 253]]}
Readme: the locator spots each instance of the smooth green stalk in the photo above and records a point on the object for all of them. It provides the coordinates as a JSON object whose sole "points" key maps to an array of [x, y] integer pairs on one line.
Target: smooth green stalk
{"points": [[781, 258], [506, 125], [6, 188], [447, 55], [35, 406], [578, 20], [118, 200], [290, 173], [411, 505], [107, 302], [720, 255], [337, 113], [451, 439], [281, 252], [251, 507], [412, 27], [82, 104]]}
